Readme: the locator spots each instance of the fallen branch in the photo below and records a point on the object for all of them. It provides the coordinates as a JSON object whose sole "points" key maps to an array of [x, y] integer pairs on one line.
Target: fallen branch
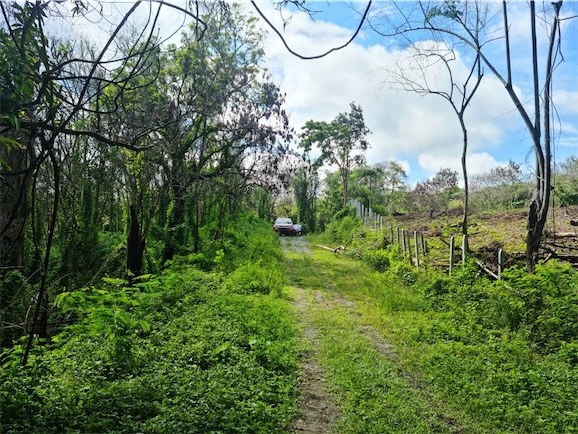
{"points": [[562, 235], [559, 246], [331, 249], [487, 270]]}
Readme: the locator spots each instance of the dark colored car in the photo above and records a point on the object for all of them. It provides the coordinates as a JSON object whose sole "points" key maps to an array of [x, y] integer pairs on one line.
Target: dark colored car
{"points": [[284, 226]]}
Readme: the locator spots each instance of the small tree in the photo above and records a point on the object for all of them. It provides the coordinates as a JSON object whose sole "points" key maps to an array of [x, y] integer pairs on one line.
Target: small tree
{"points": [[503, 187], [436, 192], [457, 93]]}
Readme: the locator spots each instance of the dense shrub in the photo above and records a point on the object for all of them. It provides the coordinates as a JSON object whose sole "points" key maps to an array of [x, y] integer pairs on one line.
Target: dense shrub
{"points": [[543, 306], [169, 353], [254, 278], [342, 230], [378, 259]]}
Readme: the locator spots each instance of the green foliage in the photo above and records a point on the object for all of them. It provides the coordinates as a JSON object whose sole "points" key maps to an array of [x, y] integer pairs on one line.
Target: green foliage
{"points": [[378, 259], [342, 230], [305, 185], [107, 312], [254, 278], [15, 292], [502, 355], [342, 142], [541, 306], [172, 353], [245, 239], [567, 182]]}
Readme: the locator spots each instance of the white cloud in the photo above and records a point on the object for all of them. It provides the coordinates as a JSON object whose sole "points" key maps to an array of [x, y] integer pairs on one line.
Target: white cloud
{"points": [[478, 162], [421, 132], [566, 100], [404, 125]]}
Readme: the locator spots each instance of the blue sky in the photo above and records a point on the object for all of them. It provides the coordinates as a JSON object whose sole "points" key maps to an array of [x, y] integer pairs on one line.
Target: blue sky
{"points": [[420, 131]]}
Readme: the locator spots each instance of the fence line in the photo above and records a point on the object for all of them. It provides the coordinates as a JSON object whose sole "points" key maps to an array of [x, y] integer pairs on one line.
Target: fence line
{"points": [[403, 240]]}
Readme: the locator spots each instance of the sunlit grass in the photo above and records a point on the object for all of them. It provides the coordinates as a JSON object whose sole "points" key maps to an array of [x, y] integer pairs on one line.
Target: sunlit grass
{"points": [[372, 395], [438, 362]]}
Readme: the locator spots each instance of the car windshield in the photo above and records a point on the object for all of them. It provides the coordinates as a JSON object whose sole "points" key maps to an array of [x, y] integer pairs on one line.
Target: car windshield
{"points": [[283, 222]]}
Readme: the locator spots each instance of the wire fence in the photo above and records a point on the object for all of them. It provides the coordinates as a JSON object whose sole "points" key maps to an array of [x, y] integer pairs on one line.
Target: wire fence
{"points": [[413, 245]]}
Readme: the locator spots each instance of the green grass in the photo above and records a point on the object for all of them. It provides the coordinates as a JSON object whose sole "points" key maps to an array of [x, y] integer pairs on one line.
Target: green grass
{"points": [[212, 362], [372, 394], [468, 357]]}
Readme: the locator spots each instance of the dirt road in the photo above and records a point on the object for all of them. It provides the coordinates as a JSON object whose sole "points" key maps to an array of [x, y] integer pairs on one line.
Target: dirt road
{"points": [[312, 287], [317, 410]]}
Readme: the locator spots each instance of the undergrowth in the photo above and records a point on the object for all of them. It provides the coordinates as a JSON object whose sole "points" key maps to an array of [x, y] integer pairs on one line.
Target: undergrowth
{"points": [[504, 355], [196, 349]]}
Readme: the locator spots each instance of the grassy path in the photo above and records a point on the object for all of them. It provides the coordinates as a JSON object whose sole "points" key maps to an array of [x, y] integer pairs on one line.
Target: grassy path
{"points": [[353, 374]]}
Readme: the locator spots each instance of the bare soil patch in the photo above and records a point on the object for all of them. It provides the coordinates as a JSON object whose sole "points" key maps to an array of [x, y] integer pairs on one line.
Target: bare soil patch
{"points": [[317, 410], [489, 232]]}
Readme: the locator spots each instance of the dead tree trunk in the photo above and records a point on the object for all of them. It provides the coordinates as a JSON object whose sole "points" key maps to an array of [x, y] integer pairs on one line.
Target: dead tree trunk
{"points": [[538, 209]]}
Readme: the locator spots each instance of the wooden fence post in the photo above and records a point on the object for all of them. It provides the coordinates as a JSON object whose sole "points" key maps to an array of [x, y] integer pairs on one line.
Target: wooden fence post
{"points": [[423, 245], [408, 245], [403, 242], [464, 248], [452, 240], [416, 250], [500, 263]]}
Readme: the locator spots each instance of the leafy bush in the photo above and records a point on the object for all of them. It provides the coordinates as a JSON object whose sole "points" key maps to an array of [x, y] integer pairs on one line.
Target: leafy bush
{"points": [[107, 312], [543, 306], [173, 353], [15, 292], [405, 272], [254, 278], [378, 259], [342, 230]]}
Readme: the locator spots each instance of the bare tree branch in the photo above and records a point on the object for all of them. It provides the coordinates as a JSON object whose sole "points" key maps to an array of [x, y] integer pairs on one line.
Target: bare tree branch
{"points": [[319, 56]]}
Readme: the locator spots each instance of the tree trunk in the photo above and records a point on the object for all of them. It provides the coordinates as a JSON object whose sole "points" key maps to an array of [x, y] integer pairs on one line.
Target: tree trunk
{"points": [[465, 173], [345, 179], [14, 192], [174, 227], [538, 209], [135, 244]]}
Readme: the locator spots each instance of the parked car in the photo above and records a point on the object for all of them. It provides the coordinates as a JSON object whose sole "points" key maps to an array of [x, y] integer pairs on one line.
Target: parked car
{"points": [[284, 226], [297, 229]]}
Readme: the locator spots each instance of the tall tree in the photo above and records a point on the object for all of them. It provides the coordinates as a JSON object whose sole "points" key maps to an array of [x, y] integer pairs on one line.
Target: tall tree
{"points": [[394, 184], [228, 118], [342, 142], [458, 93], [50, 89]]}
